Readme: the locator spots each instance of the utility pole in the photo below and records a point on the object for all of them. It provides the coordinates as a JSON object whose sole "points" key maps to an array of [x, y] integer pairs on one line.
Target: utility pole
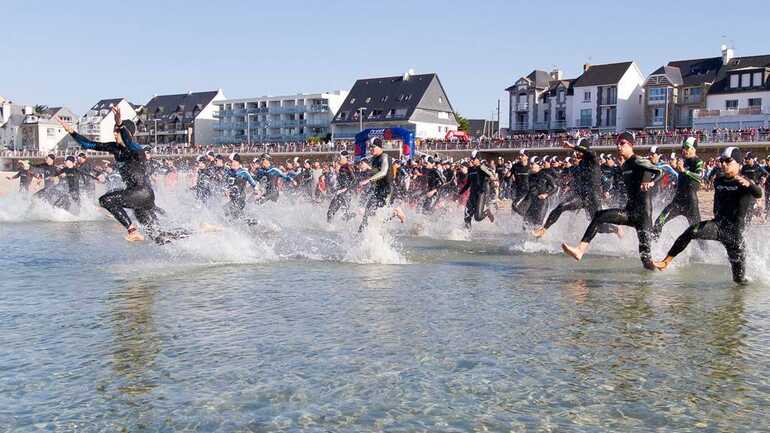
{"points": [[361, 118], [498, 117]]}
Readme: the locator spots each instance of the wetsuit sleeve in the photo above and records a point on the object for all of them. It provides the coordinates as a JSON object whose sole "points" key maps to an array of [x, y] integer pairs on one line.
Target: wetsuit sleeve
{"points": [[489, 172], [384, 167], [128, 141], [697, 174], [651, 173], [550, 184], [277, 172], [92, 145], [86, 172], [754, 190], [17, 175], [247, 176]]}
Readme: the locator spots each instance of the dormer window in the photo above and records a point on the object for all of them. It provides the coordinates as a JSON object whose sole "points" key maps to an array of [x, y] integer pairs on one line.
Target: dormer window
{"points": [[758, 80], [734, 81], [352, 100], [368, 100], [745, 80]]}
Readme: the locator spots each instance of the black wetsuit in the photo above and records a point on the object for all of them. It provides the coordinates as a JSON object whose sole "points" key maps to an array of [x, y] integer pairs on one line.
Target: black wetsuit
{"points": [[25, 179], [638, 210], [49, 172], [131, 162], [236, 181], [346, 182], [732, 205], [585, 193], [434, 180], [478, 184], [520, 188], [203, 185], [685, 202], [539, 183], [268, 177], [71, 200], [381, 187], [87, 179]]}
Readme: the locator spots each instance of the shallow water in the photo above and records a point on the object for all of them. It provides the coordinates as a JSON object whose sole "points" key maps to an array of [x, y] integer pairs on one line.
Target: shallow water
{"points": [[297, 325]]}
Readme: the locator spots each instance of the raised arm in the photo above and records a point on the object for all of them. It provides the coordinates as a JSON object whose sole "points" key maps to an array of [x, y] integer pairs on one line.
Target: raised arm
{"points": [[384, 167]]}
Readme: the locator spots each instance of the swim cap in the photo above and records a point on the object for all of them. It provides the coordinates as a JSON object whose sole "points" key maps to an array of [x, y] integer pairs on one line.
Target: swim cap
{"points": [[690, 142], [628, 136], [734, 153]]}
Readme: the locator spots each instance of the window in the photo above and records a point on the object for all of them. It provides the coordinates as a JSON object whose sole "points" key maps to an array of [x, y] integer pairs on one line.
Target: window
{"points": [[50, 132], [561, 95], [400, 112], [443, 115], [657, 94], [755, 102], [368, 99], [440, 100], [757, 80], [585, 117], [586, 96], [745, 80], [731, 104], [658, 116], [343, 115], [693, 95], [400, 98], [352, 100], [734, 81], [384, 99]]}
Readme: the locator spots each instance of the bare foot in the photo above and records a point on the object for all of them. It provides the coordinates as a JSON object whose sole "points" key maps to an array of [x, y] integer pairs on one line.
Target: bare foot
{"points": [[398, 213], [491, 216], [209, 228], [619, 234], [573, 252], [539, 232], [134, 236], [662, 265]]}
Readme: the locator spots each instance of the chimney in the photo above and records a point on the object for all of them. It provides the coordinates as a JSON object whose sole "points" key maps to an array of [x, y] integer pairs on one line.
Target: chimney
{"points": [[727, 54], [408, 74], [586, 66], [556, 74]]}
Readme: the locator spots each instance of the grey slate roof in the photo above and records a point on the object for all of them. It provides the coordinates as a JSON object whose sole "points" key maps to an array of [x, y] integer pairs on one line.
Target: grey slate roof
{"points": [[600, 75], [182, 102], [750, 63], [672, 73], [537, 78], [390, 93], [106, 104], [697, 72]]}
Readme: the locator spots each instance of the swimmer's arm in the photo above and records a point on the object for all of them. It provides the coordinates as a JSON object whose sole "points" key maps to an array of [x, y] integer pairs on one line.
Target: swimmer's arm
{"points": [[489, 172], [247, 176], [91, 145], [277, 171], [384, 167], [697, 174]]}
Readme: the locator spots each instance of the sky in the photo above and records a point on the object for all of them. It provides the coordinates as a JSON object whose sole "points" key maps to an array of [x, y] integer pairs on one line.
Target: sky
{"points": [[76, 53]]}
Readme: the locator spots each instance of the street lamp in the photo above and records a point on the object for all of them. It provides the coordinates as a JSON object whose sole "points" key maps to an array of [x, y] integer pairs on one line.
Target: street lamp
{"points": [[248, 127], [155, 130]]}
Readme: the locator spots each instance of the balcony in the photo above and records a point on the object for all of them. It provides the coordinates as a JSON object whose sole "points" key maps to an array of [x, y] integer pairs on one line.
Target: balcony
{"points": [[520, 127], [692, 100], [542, 125], [521, 106], [559, 124], [746, 111]]}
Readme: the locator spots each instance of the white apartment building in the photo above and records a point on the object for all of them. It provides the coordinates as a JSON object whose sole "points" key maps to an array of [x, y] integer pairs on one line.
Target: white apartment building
{"points": [[540, 101], [276, 118], [740, 95], [41, 131], [98, 123], [609, 97]]}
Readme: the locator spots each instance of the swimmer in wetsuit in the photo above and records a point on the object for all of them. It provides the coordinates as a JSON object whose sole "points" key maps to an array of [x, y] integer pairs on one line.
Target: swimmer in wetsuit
{"points": [[639, 177], [586, 189], [734, 196], [685, 202], [346, 182], [268, 176], [541, 186], [131, 162], [477, 182], [380, 185], [236, 179], [24, 175]]}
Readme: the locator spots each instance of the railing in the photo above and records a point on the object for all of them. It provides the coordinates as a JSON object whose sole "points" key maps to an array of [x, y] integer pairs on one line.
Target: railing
{"points": [[522, 106], [758, 136], [747, 111]]}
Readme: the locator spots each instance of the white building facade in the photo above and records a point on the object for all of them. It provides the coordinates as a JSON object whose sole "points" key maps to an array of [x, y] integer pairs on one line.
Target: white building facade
{"points": [[98, 123], [276, 118], [42, 132], [609, 97]]}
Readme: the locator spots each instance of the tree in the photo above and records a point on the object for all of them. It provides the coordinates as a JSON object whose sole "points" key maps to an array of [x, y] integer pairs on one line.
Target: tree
{"points": [[462, 123], [40, 109]]}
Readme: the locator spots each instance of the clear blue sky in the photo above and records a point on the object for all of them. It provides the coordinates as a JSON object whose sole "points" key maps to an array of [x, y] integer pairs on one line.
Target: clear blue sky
{"points": [[75, 53]]}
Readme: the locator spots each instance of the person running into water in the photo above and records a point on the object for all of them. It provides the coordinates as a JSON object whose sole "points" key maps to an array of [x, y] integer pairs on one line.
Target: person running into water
{"points": [[131, 163], [639, 178], [477, 182], [24, 174], [346, 182], [586, 189], [380, 185], [541, 186], [268, 176], [236, 180], [685, 202], [734, 196]]}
